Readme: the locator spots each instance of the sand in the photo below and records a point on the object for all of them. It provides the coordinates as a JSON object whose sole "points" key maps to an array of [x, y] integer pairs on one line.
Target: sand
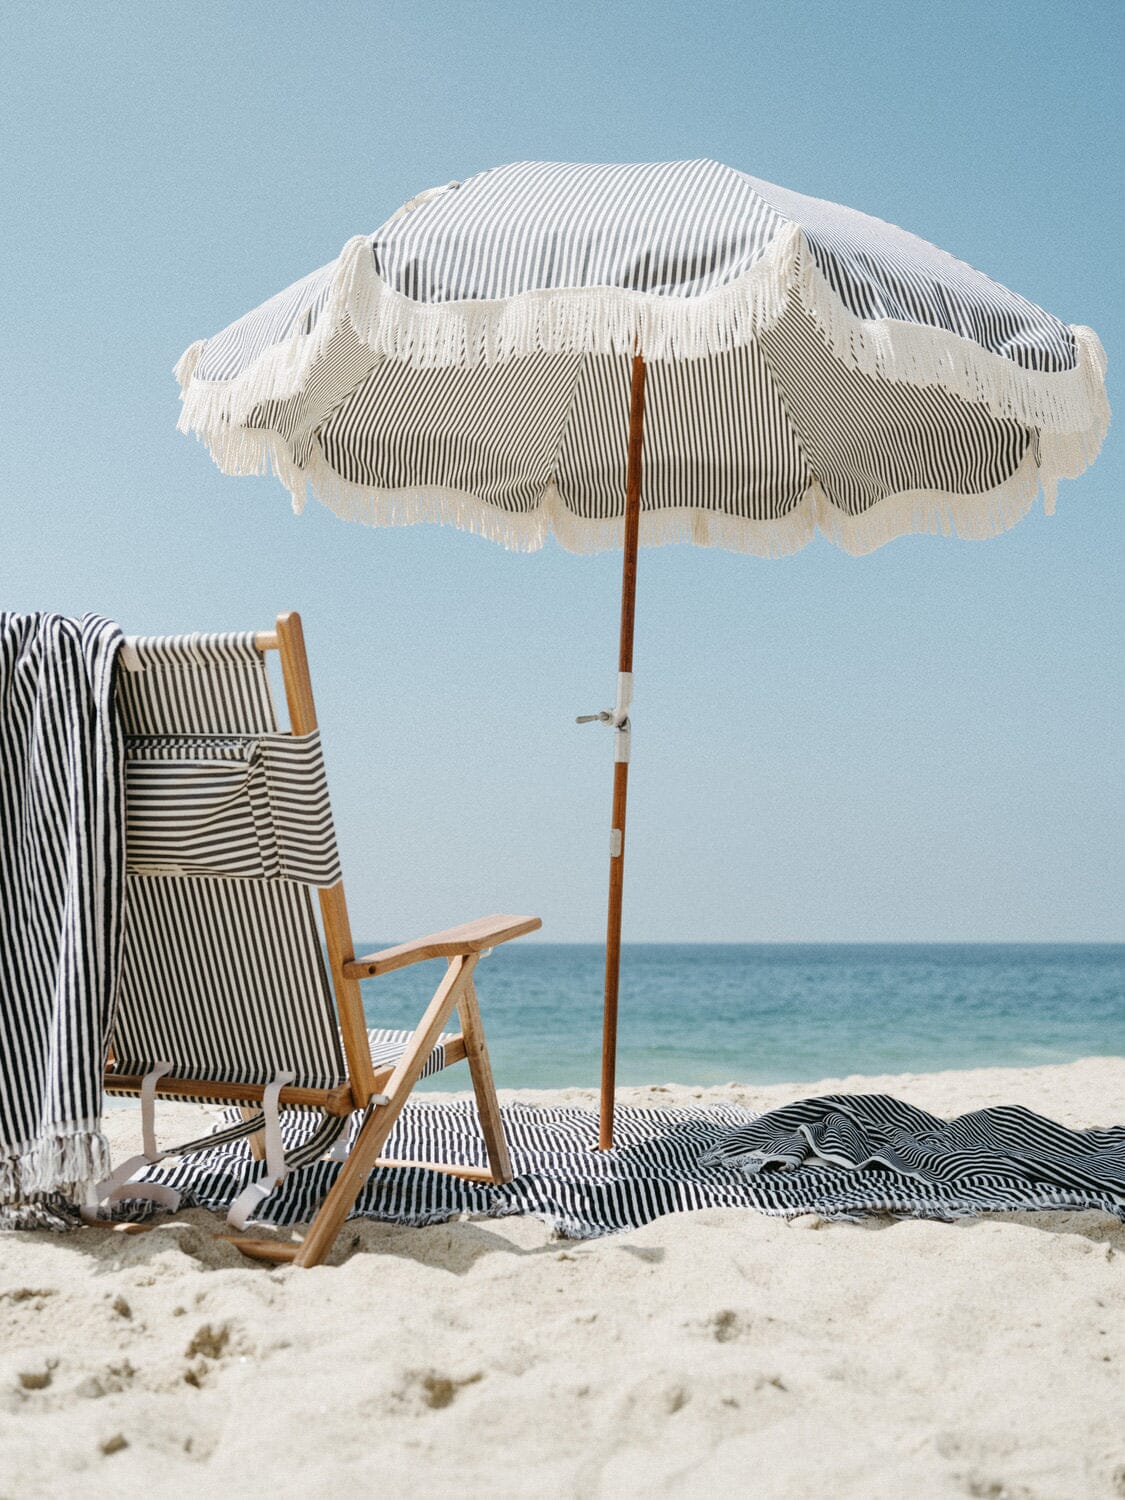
{"points": [[712, 1354]]}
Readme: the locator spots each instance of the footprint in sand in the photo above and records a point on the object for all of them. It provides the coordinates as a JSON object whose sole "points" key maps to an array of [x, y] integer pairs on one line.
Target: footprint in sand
{"points": [[37, 1376], [212, 1344], [429, 1389], [109, 1381], [211, 1341], [725, 1326], [37, 1295]]}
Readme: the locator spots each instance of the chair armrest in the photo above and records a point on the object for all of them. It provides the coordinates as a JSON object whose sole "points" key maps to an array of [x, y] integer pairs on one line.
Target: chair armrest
{"points": [[470, 937]]}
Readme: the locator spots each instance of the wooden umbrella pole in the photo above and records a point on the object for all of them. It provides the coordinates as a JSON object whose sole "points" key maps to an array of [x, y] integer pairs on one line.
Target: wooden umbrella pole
{"points": [[621, 760]]}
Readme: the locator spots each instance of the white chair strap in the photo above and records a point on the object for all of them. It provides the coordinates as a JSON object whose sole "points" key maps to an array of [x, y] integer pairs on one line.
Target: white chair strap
{"points": [[113, 1189], [148, 1109], [275, 1151], [151, 1192], [240, 1210]]}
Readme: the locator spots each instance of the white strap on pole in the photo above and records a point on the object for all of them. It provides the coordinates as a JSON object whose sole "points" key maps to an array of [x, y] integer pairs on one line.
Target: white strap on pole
{"points": [[621, 722], [242, 1207], [618, 717]]}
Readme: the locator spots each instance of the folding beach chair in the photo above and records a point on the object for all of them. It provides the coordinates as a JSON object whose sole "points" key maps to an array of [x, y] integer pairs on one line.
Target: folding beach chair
{"points": [[225, 997]]}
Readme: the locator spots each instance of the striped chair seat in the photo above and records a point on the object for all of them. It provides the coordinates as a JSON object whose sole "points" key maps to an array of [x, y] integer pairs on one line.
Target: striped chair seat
{"points": [[387, 1047]]}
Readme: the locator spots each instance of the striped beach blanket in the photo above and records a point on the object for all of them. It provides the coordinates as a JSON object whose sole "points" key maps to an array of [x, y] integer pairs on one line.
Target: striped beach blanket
{"points": [[874, 1155], [558, 1175], [850, 1154], [61, 872]]}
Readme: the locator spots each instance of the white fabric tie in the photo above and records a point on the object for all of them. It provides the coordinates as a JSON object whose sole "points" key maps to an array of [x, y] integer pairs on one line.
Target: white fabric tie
{"points": [[130, 656], [242, 1207], [117, 1186], [148, 1109], [339, 1151]]}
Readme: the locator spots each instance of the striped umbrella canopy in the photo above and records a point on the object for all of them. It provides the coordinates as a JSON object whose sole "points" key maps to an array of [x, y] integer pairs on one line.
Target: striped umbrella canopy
{"points": [[496, 353]]}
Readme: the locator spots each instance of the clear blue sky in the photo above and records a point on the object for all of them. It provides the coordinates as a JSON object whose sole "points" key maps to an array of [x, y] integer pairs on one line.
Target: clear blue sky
{"points": [[922, 744]]}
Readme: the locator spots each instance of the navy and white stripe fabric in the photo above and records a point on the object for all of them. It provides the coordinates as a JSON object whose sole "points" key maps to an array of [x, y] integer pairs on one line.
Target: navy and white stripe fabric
{"points": [[810, 368], [61, 879], [875, 1155], [225, 979], [196, 684], [223, 974], [229, 828], [862, 1153], [250, 807], [558, 1176]]}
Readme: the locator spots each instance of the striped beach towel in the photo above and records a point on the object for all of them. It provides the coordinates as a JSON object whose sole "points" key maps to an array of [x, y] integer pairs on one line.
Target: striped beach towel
{"points": [[838, 1157], [843, 1155], [559, 1176], [61, 873]]}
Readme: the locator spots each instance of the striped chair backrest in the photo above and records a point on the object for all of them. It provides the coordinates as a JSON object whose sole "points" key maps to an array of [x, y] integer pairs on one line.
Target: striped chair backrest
{"points": [[228, 830]]}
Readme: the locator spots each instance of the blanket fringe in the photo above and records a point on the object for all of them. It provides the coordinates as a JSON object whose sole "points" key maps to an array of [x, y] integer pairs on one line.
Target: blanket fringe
{"points": [[62, 1162]]}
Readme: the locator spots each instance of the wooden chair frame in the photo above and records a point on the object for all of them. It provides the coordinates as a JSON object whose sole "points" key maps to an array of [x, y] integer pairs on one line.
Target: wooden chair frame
{"points": [[461, 947]]}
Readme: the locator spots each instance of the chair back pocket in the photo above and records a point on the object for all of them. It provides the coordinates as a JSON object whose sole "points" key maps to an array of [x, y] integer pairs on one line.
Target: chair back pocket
{"points": [[253, 807]]}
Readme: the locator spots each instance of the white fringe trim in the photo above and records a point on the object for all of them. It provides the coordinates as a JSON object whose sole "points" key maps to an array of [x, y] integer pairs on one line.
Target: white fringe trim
{"points": [[915, 512], [614, 321], [184, 367], [1068, 401], [61, 1162], [596, 320]]}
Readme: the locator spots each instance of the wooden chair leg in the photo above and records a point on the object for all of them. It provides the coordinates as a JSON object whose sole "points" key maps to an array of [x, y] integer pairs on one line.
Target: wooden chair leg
{"points": [[373, 1137], [480, 1069], [257, 1141]]}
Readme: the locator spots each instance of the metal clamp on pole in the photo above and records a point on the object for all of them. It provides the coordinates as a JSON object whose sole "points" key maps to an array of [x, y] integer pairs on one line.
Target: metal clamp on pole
{"points": [[618, 716]]}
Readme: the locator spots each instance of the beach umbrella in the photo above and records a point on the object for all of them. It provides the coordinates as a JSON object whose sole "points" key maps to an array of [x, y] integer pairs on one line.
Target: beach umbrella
{"points": [[500, 353]]}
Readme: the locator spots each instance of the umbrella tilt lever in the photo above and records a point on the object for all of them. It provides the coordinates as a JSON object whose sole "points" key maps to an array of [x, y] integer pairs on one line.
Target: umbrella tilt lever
{"points": [[618, 716]]}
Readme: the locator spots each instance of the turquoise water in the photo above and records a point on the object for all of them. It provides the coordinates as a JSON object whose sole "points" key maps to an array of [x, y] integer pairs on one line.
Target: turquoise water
{"points": [[710, 1013]]}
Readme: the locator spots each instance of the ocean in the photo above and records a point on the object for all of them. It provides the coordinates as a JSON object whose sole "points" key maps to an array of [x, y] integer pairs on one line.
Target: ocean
{"points": [[761, 1013]]}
